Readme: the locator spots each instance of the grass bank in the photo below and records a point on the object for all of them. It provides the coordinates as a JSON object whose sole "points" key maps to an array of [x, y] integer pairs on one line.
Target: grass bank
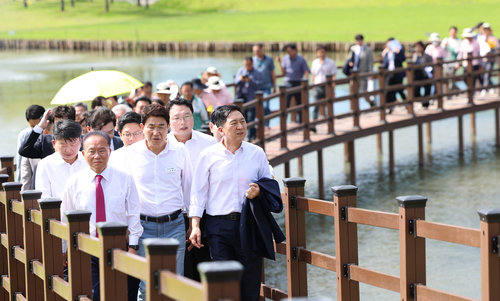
{"points": [[239, 20]]}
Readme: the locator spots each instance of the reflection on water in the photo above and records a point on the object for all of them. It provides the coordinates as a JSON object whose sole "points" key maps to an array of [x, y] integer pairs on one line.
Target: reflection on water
{"points": [[456, 186]]}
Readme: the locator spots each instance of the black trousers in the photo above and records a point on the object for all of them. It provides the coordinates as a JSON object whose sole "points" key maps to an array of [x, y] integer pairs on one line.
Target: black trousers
{"points": [[195, 256], [416, 89], [298, 98], [225, 244], [393, 79], [132, 283]]}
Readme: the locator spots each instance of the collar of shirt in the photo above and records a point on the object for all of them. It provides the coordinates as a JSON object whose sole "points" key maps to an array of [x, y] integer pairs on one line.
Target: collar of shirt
{"points": [[142, 145], [223, 147], [90, 174], [60, 161]]}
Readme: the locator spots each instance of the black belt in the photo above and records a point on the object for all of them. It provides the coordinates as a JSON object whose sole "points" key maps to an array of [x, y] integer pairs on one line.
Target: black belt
{"points": [[161, 219], [235, 216]]}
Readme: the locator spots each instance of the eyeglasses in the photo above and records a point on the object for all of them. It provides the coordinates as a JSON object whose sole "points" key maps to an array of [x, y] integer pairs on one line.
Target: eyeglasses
{"points": [[179, 119], [129, 135]]}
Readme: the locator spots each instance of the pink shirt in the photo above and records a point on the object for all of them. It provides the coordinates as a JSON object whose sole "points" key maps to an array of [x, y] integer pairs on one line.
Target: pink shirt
{"points": [[435, 52], [208, 99], [466, 47], [223, 97]]}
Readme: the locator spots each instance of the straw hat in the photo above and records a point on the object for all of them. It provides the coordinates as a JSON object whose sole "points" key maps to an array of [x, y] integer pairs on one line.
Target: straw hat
{"points": [[434, 37], [167, 87], [468, 33], [487, 25], [212, 70], [214, 83]]}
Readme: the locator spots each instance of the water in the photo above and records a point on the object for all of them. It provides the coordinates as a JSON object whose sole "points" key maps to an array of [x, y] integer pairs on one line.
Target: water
{"points": [[456, 186]]}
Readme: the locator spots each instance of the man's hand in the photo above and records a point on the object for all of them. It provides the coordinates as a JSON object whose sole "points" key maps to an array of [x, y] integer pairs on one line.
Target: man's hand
{"points": [[247, 79], [278, 59], [65, 259], [253, 191], [195, 236], [241, 77], [132, 251], [351, 64], [188, 233], [45, 119]]}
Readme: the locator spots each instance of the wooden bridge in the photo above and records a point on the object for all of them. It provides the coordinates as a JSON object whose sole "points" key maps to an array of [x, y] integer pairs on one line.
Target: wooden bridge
{"points": [[291, 140], [31, 265]]}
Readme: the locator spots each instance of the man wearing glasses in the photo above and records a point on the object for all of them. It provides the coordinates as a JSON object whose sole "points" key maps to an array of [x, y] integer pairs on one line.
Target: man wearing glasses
{"points": [[181, 124], [103, 119], [129, 129], [162, 173]]}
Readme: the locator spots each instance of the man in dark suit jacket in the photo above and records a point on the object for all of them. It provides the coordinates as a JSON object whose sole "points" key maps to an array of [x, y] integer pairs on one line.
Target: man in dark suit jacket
{"points": [[40, 146], [393, 58]]}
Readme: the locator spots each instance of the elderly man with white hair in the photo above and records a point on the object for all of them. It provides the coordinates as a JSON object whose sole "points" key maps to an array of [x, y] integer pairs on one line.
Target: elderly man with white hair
{"points": [[119, 110]]}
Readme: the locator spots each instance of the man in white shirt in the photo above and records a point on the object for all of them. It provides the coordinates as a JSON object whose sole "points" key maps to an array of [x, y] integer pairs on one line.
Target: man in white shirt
{"points": [[162, 174], [181, 131], [320, 68], [224, 176], [110, 194], [53, 171], [129, 129]]}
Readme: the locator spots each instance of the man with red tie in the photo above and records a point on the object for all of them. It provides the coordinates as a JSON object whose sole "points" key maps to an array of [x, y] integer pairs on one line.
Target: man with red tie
{"points": [[110, 194]]}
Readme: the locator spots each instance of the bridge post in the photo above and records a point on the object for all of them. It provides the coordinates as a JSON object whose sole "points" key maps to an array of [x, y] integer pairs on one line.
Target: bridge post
{"points": [[409, 88], [330, 94], [473, 124], [321, 188], [15, 238], [221, 280], [391, 152], [32, 242], [112, 235], [79, 268], [352, 162], [379, 143], [490, 261], [354, 98], [4, 270], [260, 117], [497, 127], [438, 74], [239, 103], [411, 248], [295, 237], [51, 246], [160, 255], [346, 242], [420, 145], [460, 135], [8, 162], [429, 132], [381, 95], [470, 79], [283, 118], [305, 111]]}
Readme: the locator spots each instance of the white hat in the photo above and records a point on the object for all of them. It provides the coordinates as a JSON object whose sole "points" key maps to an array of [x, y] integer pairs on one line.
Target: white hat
{"points": [[486, 25], [170, 82], [434, 37], [162, 86], [167, 87], [468, 33], [213, 83], [212, 70]]}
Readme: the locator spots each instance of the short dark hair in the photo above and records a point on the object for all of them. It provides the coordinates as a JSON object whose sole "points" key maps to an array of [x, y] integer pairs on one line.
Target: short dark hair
{"points": [[292, 46], [224, 112], [454, 27], [148, 84], [81, 104], [64, 112], [96, 133], [100, 117], [249, 58], [359, 37], [87, 119], [320, 47], [419, 43], [180, 102], [155, 110], [158, 101], [67, 129], [142, 98], [260, 45], [34, 112], [215, 114], [97, 102], [129, 117], [390, 39], [187, 84]]}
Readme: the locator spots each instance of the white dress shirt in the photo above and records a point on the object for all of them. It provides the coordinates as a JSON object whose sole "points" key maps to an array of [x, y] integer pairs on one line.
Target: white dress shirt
{"points": [[53, 172], [195, 145], [221, 179], [357, 53], [321, 70], [120, 198], [117, 158], [163, 180]]}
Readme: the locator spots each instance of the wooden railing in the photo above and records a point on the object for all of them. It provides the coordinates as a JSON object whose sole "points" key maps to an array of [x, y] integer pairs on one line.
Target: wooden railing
{"points": [[355, 112], [413, 231], [31, 259]]}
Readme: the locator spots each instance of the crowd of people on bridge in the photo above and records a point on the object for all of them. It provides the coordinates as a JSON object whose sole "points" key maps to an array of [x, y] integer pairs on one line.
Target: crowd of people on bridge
{"points": [[146, 160]]}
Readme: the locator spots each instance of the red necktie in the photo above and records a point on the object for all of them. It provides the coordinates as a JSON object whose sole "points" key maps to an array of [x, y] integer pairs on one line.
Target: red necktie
{"points": [[100, 208]]}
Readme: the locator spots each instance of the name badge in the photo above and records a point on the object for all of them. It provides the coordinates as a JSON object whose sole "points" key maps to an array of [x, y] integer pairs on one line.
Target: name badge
{"points": [[170, 170]]}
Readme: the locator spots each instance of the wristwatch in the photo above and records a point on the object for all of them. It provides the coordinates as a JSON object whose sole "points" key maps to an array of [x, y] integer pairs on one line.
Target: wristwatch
{"points": [[135, 247]]}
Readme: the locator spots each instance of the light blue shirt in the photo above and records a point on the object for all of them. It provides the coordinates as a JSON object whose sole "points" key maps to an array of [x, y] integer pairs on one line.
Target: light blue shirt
{"points": [[265, 67]]}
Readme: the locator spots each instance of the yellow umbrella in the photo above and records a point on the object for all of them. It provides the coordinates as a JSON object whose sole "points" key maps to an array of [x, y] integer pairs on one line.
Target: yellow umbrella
{"points": [[95, 83]]}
